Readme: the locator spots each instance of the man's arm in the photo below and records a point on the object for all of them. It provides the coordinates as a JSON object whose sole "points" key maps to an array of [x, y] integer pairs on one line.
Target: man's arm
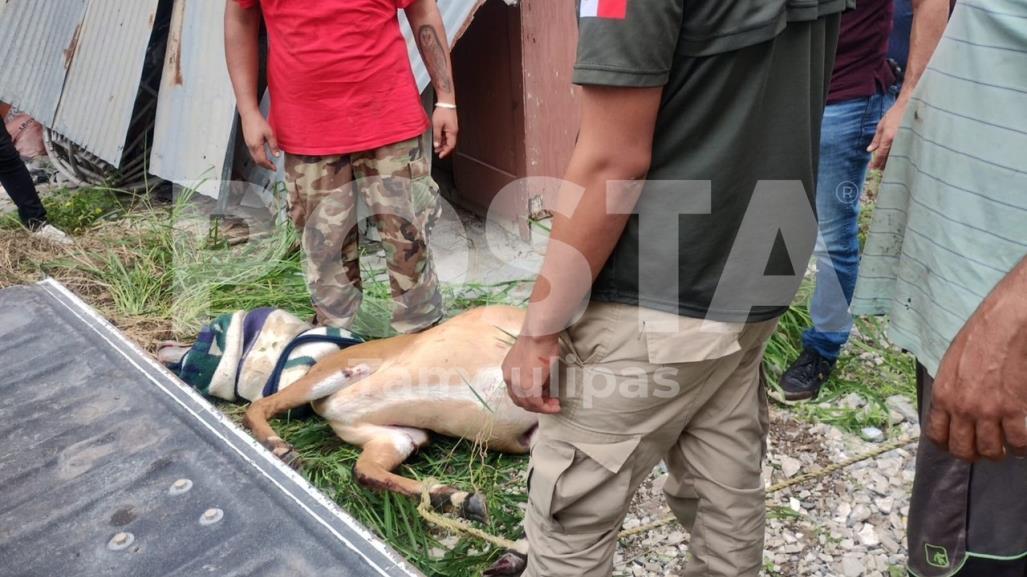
{"points": [[615, 144], [430, 32], [242, 30], [979, 400], [929, 20]]}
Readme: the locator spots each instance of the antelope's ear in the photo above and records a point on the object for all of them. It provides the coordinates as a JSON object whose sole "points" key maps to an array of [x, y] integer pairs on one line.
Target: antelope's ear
{"points": [[357, 372]]}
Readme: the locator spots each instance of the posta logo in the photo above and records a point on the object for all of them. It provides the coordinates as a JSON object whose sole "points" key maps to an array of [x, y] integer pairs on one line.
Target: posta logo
{"points": [[611, 9]]}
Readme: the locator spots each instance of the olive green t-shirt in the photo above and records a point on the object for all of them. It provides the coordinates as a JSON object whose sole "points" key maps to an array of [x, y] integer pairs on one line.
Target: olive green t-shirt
{"points": [[737, 139]]}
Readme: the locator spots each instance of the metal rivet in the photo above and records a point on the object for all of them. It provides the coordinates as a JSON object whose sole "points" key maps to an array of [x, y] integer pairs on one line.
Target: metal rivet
{"points": [[180, 486], [121, 541], [211, 516]]}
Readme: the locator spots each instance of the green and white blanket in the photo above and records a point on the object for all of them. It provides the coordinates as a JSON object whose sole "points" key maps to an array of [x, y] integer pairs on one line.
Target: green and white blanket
{"points": [[247, 355]]}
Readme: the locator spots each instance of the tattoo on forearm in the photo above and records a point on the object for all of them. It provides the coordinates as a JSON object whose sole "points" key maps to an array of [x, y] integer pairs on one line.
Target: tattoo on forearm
{"points": [[435, 58]]}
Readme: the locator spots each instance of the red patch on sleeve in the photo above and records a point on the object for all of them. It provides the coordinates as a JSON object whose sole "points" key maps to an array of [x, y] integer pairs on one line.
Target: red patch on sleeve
{"points": [[616, 9]]}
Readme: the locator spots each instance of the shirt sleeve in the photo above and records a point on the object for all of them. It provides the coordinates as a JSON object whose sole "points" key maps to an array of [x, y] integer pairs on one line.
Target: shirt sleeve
{"points": [[247, 4], [627, 42]]}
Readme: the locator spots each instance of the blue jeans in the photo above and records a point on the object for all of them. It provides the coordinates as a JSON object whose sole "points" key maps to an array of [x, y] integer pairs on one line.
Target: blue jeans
{"points": [[848, 129]]}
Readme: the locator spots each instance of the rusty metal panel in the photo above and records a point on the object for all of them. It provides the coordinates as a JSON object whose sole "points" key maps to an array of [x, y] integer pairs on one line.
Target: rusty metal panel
{"points": [[196, 108], [106, 66], [37, 41]]}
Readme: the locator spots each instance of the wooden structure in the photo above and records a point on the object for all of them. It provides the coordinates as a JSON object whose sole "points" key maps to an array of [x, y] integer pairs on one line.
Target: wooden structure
{"points": [[518, 111]]}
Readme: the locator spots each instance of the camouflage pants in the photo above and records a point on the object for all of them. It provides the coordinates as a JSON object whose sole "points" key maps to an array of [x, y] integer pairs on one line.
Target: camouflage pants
{"points": [[395, 182]]}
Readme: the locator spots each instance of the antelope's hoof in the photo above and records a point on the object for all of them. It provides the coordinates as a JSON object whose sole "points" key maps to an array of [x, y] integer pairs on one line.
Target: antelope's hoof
{"points": [[510, 564], [285, 452], [475, 509]]}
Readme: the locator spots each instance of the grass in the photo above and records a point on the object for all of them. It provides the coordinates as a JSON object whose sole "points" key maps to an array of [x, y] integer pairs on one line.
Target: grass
{"points": [[159, 272], [76, 211]]}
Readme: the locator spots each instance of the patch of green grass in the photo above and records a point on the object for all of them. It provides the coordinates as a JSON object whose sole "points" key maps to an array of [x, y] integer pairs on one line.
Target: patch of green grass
{"points": [[328, 464], [74, 211], [782, 512]]}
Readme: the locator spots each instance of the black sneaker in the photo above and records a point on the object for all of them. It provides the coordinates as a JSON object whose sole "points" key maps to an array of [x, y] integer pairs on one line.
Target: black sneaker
{"points": [[802, 380]]}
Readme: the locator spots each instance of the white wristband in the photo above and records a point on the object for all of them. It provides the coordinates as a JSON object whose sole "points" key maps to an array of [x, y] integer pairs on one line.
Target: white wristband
{"points": [[445, 105]]}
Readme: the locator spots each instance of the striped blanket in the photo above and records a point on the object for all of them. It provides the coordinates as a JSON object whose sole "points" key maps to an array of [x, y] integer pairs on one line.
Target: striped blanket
{"points": [[246, 355]]}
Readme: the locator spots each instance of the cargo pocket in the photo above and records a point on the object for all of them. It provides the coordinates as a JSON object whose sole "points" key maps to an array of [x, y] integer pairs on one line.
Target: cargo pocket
{"points": [[580, 482]]}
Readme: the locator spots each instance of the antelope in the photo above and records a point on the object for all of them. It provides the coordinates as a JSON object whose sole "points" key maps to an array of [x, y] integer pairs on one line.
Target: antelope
{"points": [[387, 396]]}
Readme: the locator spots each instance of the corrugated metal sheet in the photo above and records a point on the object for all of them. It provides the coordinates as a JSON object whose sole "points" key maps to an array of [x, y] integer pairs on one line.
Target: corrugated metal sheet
{"points": [[100, 92], [456, 14], [37, 40], [112, 466], [196, 109]]}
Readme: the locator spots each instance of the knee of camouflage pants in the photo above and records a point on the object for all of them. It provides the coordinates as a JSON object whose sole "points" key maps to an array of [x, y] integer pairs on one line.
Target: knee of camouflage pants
{"points": [[397, 185], [322, 205]]}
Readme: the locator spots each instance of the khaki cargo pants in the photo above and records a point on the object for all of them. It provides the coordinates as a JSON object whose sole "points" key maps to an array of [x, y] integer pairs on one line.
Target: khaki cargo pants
{"points": [[630, 397], [395, 182]]}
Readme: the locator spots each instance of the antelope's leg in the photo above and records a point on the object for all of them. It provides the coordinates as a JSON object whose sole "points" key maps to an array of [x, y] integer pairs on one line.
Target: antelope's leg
{"points": [[385, 448], [320, 382]]}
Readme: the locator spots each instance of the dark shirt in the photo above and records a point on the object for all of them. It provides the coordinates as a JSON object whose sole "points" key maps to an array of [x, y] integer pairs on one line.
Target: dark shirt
{"points": [[744, 90], [861, 66]]}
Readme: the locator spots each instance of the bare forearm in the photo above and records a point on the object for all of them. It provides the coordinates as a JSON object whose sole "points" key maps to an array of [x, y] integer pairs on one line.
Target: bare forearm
{"points": [[430, 33], [929, 20], [580, 243], [1009, 299], [601, 188], [242, 29]]}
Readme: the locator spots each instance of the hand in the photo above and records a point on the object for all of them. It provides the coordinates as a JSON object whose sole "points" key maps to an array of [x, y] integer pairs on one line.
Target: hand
{"points": [[887, 130], [446, 127], [979, 400], [527, 370], [258, 132]]}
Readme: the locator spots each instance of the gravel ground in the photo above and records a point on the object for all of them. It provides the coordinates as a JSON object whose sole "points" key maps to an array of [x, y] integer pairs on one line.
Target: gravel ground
{"points": [[849, 524]]}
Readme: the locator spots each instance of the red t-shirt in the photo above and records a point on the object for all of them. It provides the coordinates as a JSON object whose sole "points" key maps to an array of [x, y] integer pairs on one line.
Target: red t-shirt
{"points": [[339, 75]]}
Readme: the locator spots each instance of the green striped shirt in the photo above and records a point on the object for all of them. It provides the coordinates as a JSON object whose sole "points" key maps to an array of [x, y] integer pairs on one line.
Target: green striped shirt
{"points": [[951, 217]]}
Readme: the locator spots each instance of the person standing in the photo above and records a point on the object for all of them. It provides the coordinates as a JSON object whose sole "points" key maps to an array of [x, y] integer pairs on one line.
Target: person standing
{"points": [[693, 113], [861, 119], [946, 259], [347, 113], [902, 29], [17, 181]]}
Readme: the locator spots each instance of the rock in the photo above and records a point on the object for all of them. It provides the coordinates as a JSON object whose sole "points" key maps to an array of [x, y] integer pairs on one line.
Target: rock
{"points": [[675, 538], [895, 418], [872, 434], [904, 407], [868, 536], [852, 566], [859, 514], [795, 505], [890, 544], [853, 401], [842, 513], [790, 466], [886, 504]]}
